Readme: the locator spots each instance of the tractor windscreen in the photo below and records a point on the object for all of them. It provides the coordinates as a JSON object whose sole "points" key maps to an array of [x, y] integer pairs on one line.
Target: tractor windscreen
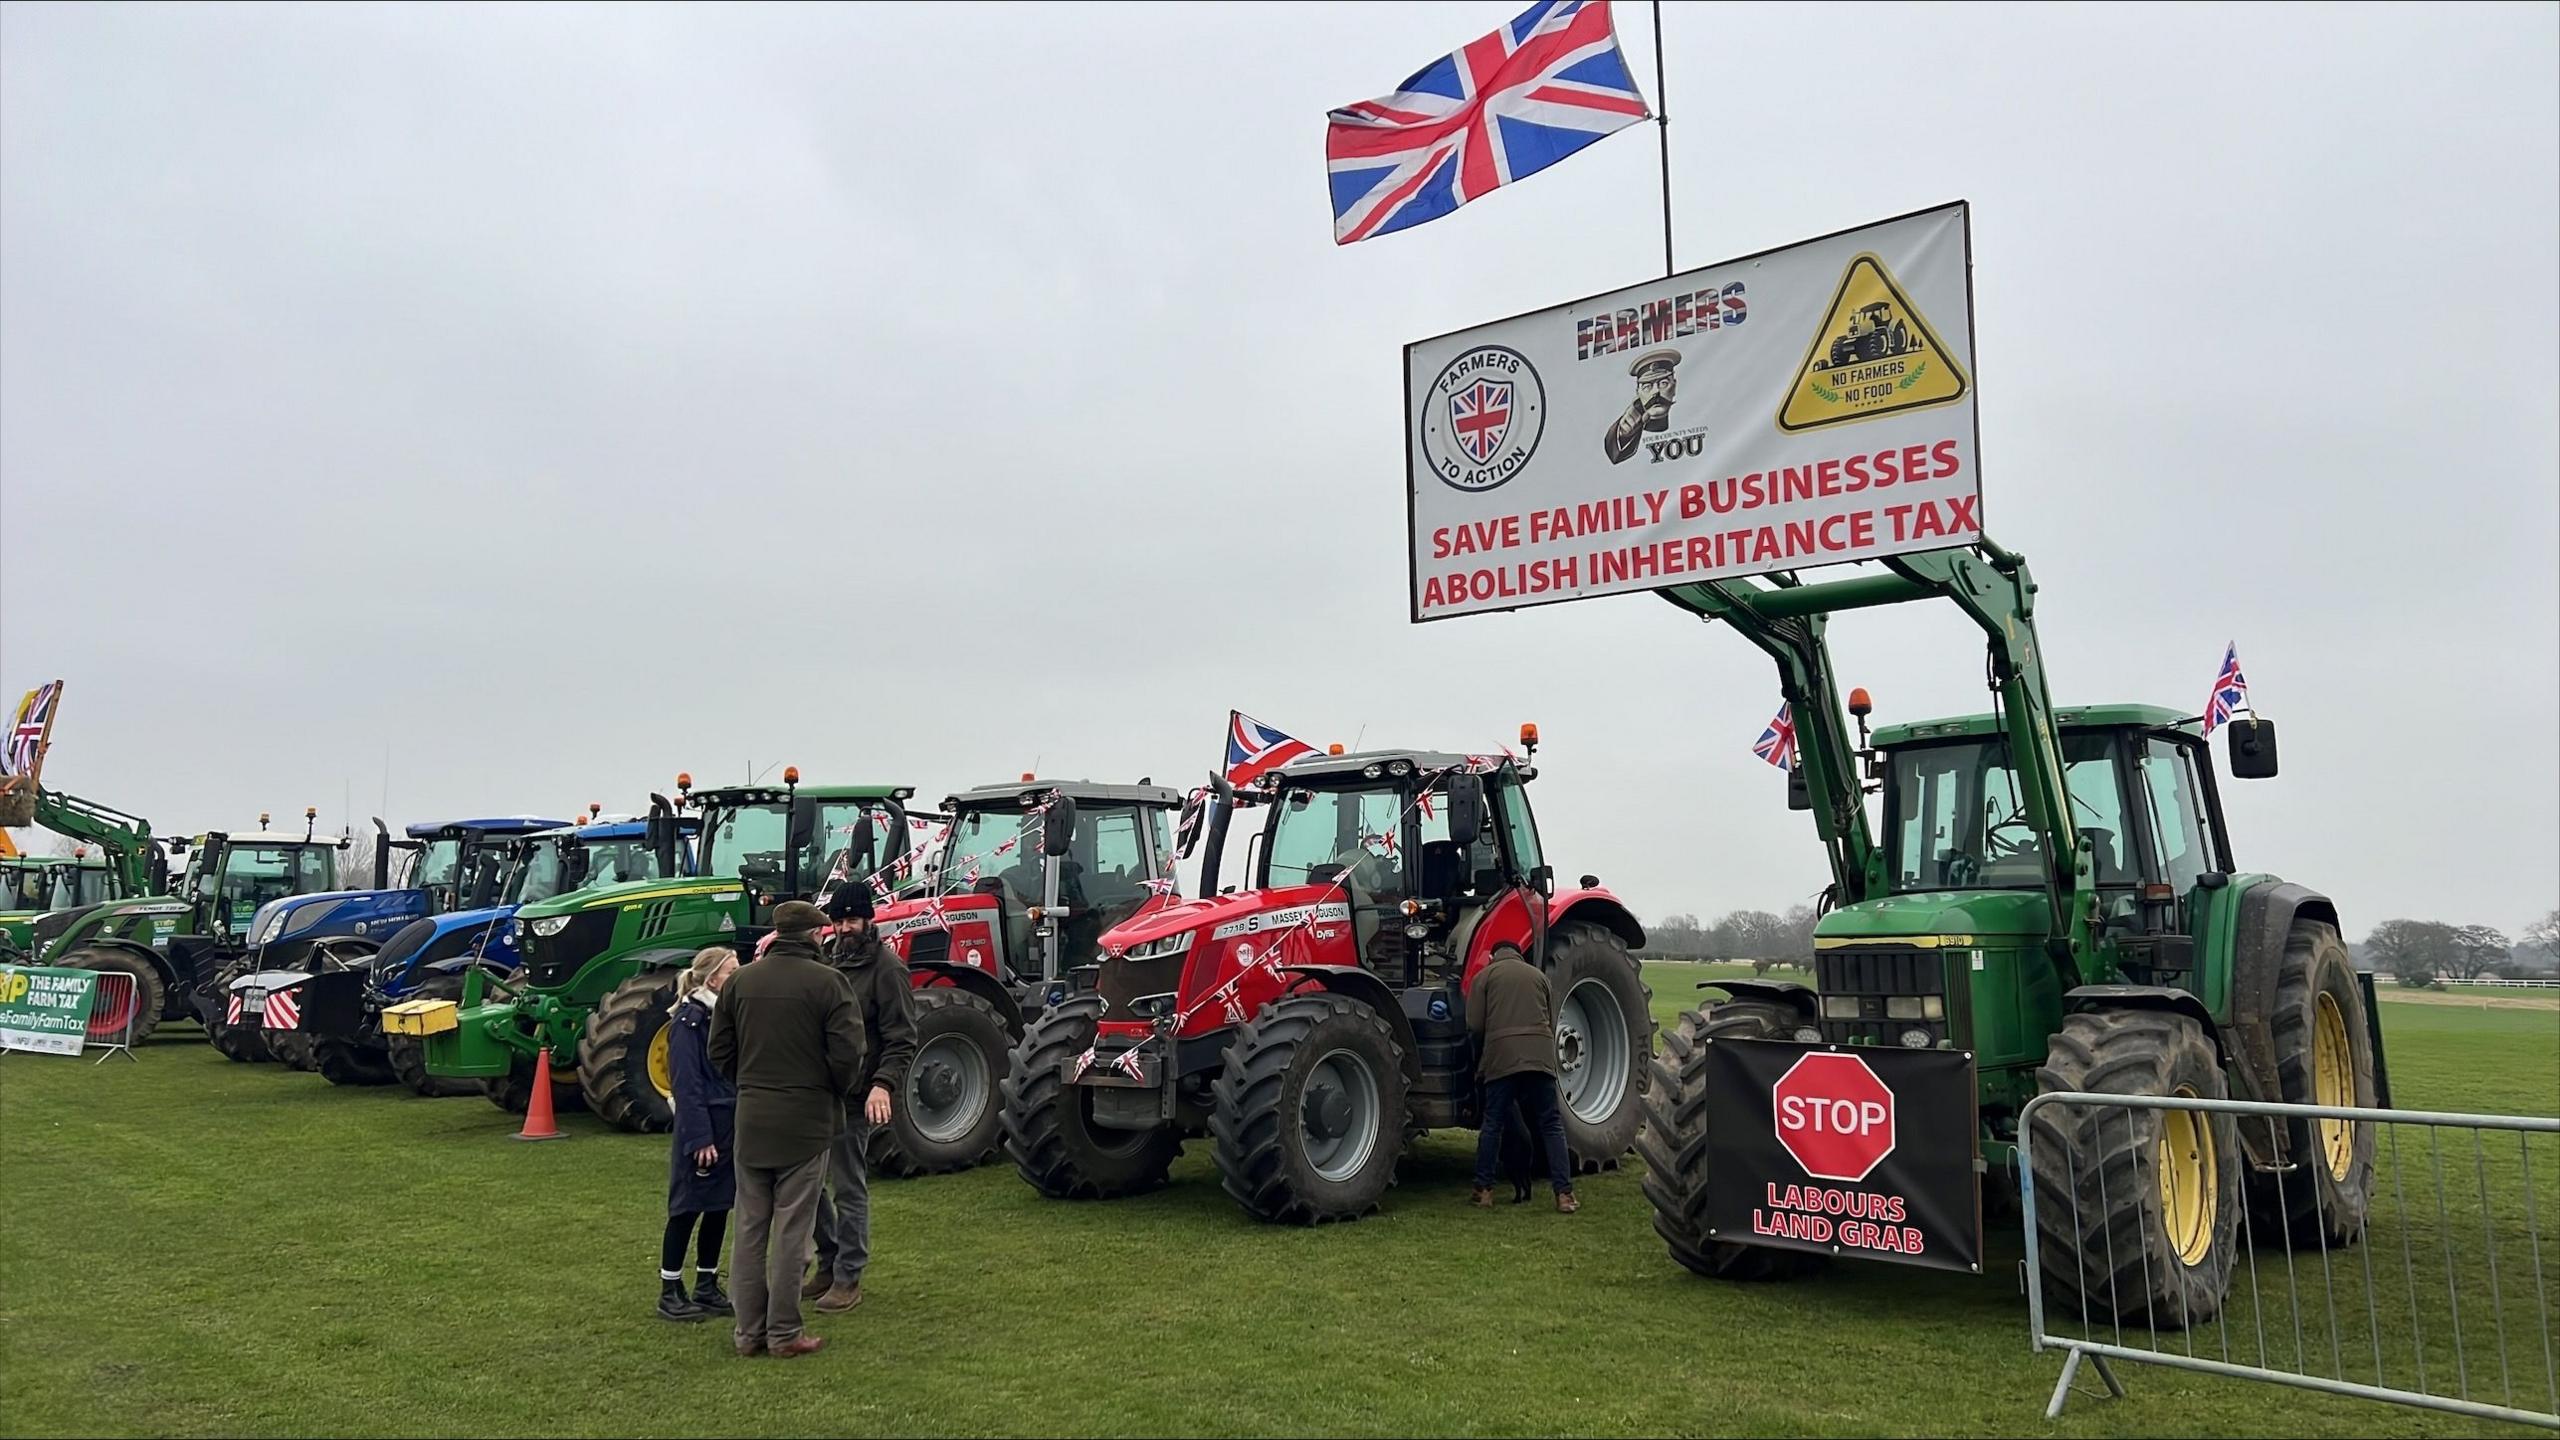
{"points": [[252, 875], [1317, 835], [993, 844], [72, 886], [611, 862], [27, 889], [1955, 819], [782, 852], [539, 874], [438, 866]]}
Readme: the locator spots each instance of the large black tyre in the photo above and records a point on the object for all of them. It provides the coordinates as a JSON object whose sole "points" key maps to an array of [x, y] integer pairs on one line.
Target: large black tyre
{"points": [[1048, 1127], [1309, 1118], [108, 1017], [513, 1091], [951, 1114], [2323, 1056], [1674, 1142], [243, 1042], [351, 1062], [408, 1053], [292, 1049], [2137, 1210], [622, 1057], [1604, 1038]]}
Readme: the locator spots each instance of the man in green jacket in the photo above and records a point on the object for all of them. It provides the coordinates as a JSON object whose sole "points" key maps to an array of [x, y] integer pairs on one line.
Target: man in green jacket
{"points": [[878, 981], [1511, 1011], [788, 1034]]}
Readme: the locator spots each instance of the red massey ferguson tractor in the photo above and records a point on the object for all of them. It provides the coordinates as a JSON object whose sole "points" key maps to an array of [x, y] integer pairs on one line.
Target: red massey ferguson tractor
{"points": [[1315, 1023], [1031, 874]]}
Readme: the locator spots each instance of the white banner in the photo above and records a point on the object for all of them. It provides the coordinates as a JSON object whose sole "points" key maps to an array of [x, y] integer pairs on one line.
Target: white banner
{"points": [[1805, 406]]}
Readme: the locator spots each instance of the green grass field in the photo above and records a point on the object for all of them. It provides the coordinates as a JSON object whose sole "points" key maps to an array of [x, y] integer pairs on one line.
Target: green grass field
{"points": [[202, 1248]]}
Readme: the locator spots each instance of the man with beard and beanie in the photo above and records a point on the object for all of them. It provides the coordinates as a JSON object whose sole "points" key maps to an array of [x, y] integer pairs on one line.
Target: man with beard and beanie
{"points": [[878, 980], [788, 1034]]}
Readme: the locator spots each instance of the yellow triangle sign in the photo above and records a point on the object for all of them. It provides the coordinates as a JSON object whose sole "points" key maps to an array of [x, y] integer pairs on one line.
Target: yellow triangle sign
{"points": [[1874, 355]]}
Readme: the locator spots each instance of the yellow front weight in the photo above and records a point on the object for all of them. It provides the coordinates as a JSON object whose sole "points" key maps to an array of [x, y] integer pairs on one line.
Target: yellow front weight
{"points": [[421, 1017]]}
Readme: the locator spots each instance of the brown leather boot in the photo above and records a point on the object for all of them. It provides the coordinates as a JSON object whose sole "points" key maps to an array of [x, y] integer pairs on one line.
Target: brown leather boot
{"points": [[1482, 1199], [817, 1285], [1566, 1204], [798, 1346], [840, 1299]]}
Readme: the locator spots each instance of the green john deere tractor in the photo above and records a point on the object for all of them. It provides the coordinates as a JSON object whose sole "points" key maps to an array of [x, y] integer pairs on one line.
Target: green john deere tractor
{"points": [[32, 886], [599, 966], [2056, 893]]}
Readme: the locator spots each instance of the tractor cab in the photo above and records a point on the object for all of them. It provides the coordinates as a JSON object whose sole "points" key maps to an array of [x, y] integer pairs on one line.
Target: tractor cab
{"points": [[71, 884], [230, 877], [791, 842], [1032, 873]]}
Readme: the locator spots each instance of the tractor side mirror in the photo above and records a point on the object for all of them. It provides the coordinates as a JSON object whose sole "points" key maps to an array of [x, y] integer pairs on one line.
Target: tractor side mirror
{"points": [[1058, 826], [1466, 808], [1799, 794], [857, 847], [1187, 826], [2253, 749]]}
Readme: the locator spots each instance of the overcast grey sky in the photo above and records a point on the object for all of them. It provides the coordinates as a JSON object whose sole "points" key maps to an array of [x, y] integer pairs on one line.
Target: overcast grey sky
{"points": [[556, 398]]}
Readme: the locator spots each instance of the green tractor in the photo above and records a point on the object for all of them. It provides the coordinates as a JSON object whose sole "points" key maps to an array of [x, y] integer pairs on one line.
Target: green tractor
{"points": [[2055, 893], [174, 943], [599, 966], [36, 885]]}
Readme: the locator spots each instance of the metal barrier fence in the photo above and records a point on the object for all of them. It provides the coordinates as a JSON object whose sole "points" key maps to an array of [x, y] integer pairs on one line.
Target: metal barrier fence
{"points": [[114, 995], [2427, 1289]]}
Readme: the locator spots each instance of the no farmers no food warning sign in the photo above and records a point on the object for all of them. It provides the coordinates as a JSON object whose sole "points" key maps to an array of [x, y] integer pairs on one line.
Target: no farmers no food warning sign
{"points": [[1804, 406]]}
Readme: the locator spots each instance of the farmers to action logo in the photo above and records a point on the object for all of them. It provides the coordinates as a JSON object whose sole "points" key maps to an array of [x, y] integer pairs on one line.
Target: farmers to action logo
{"points": [[1482, 419]]}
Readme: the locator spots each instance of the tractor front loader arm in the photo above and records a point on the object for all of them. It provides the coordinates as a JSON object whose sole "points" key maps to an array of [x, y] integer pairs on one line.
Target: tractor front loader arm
{"points": [[1992, 587], [125, 838]]}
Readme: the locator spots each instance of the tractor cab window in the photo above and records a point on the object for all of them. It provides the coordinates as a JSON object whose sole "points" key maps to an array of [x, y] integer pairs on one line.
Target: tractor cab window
{"points": [[823, 849], [612, 862], [1511, 811], [75, 886], [252, 875], [1955, 818], [1441, 870], [483, 876], [999, 845], [1320, 835], [438, 866], [748, 842], [1109, 863], [2180, 841], [540, 873], [26, 890]]}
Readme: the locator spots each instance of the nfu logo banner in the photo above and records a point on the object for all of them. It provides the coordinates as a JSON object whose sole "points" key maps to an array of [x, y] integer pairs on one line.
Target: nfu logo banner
{"points": [[1805, 406]]}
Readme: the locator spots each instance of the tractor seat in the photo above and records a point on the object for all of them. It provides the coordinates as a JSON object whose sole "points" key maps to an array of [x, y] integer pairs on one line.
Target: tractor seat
{"points": [[1439, 870]]}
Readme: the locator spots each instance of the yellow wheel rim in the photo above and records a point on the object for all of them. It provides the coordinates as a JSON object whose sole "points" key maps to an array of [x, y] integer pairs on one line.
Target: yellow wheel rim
{"points": [[662, 1076], [2333, 1082], [2189, 1194]]}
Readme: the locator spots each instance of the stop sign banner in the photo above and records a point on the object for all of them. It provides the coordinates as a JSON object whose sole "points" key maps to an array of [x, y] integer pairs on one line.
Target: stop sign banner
{"points": [[1857, 1151]]}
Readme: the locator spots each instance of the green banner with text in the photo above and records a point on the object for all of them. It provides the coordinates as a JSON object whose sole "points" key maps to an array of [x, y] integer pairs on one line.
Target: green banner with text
{"points": [[46, 1011]]}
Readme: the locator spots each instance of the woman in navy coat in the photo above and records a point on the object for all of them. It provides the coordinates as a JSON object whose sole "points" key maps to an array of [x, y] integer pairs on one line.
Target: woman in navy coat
{"points": [[701, 1182]]}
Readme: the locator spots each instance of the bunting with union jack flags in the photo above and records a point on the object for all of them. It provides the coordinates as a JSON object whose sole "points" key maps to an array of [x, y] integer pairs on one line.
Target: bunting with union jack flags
{"points": [[2230, 692], [1253, 747], [1502, 108], [1777, 744]]}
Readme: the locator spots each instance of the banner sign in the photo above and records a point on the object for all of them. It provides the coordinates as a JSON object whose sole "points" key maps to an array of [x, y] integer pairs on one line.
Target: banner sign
{"points": [[1861, 1151], [1804, 406], [44, 1010]]}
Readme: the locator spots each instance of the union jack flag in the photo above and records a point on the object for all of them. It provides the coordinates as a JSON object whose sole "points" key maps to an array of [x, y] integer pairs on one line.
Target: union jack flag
{"points": [[1502, 108], [27, 736], [1777, 744], [1253, 747], [2230, 692], [1128, 1064], [1481, 416], [1077, 1067]]}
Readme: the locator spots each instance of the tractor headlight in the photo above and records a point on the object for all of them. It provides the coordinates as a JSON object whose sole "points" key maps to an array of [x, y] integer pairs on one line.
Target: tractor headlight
{"points": [[1159, 949], [1372, 770], [1808, 1035], [1915, 1007], [549, 925], [1839, 1007], [1915, 1039], [270, 919], [1154, 1007]]}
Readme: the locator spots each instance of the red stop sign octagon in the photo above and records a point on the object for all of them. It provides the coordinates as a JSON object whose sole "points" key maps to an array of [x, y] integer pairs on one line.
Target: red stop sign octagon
{"points": [[1834, 1116]]}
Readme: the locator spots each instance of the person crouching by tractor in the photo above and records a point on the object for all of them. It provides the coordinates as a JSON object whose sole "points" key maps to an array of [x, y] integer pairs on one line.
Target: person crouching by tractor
{"points": [[878, 980], [1512, 1012], [787, 1033], [702, 1183]]}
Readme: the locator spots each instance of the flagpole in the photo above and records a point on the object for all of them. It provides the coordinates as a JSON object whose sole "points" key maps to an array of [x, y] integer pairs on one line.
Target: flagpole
{"points": [[1662, 127]]}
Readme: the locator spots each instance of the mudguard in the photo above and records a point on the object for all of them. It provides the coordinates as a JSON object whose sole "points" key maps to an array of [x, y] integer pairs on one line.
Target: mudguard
{"points": [[2149, 997], [929, 973], [1369, 990], [1796, 997], [2267, 914]]}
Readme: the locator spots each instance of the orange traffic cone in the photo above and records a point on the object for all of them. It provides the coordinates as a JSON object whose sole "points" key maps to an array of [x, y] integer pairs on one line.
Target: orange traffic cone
{"points": [[538, 1124]]}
